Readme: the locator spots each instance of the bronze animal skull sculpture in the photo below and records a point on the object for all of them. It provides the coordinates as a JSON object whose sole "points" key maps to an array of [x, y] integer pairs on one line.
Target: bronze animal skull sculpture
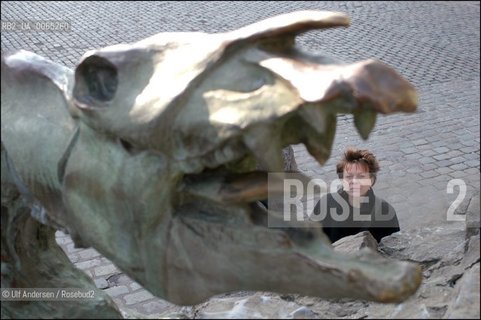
{"points": [[146, 152]]}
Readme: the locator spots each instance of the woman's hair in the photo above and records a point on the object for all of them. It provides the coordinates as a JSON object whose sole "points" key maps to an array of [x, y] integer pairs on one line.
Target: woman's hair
{"points": [[352, 155]]}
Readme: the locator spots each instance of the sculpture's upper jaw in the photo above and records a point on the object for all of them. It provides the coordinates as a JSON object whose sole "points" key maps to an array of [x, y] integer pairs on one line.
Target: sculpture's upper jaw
{"points": [[196, 96]]}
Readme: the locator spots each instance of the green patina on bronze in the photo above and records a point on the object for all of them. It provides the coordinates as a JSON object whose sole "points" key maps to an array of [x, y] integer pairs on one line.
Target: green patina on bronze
{"points": [[147, 152]]}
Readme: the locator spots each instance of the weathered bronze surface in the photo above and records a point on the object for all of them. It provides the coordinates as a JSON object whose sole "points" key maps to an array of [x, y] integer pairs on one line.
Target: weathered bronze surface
{"points": [[147, 153]]}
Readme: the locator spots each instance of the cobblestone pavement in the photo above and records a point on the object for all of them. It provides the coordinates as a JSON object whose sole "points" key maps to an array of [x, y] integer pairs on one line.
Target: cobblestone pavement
{"points": [[434, 44]]}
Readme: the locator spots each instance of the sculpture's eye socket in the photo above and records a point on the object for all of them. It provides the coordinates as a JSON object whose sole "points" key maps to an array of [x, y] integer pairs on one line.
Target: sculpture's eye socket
{"points": [[96, 80]]}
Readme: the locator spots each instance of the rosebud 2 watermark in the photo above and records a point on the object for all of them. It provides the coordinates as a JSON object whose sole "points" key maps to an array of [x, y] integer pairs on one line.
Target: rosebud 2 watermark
{"points": [[294, 199], [462, 194]]}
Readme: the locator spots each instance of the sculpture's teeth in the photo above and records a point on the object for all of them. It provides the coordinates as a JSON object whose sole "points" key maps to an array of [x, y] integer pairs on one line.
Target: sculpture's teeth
{"points": [[365, 120], [266, 148], [318, 150], [317, 117], [319, 143]]}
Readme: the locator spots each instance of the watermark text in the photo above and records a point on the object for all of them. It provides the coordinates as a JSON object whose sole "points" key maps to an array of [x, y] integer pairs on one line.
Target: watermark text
{"points": [[35, 26], [46, 294]]}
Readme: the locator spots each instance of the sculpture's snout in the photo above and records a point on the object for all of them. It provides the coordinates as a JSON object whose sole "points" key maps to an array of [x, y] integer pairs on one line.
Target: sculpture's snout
{"points": [[372, 84]]}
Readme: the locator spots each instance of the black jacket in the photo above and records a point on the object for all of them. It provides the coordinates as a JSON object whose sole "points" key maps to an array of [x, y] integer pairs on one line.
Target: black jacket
{"points": [[382, 216]]}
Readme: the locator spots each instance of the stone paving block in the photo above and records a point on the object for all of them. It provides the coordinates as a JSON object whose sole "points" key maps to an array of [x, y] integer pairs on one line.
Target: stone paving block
{"points": [[118, 279], [439, 144], [444, 170], [457, 160], [442, 156], [104, 270], [428, 153], [156, 306], [470, 143], [472, 185], [62, 239], [416, 137], [425, 147], [452, 140], [87, 264], [420, 142], [427, 160], [429, 166], [440, 182], [104, 260], [472, 156], [425, 182], [101, 283], [117, 291], [429, 174], [469, 149], [135, 286], [74, 258], [472, 163], [458, 166], [415, 170], [472, 171], [88, 273], [443, 163], [458, 174], [396, 198], [70, 247], [398, 174], [410, 150], [136, 297], [413, 156], [89, 253]]}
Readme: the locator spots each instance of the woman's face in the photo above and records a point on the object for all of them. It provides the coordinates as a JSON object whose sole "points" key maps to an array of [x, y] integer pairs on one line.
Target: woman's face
{"points": [[356, 179]]}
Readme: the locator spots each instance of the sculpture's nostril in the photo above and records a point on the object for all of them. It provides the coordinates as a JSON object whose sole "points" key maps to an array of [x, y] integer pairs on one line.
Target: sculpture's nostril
{"points": [[96, 79], [126, 145]]}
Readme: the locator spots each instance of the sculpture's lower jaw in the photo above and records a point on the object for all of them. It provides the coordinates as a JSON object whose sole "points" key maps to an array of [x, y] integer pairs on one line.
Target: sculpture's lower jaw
{"points": [[252, 257]]}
